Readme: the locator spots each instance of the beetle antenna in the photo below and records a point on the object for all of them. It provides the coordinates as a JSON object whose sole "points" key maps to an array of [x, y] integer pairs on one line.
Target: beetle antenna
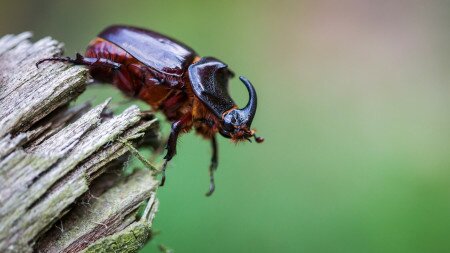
{"points": [[258, 139]]}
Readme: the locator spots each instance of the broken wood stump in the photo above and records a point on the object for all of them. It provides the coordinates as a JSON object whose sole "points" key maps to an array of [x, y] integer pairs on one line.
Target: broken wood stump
{"points": [[61, 183]]}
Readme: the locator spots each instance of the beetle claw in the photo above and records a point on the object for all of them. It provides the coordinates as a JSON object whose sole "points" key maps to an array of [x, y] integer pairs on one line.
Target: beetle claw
{"points": [[163, 173], [212, 187]]}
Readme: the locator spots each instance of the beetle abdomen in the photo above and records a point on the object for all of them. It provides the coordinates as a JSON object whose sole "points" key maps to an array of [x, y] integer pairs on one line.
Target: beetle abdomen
{"points": [[122, 78]]}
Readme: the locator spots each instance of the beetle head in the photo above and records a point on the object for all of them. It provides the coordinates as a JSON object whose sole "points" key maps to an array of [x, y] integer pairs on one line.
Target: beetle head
{"points": [[209, 79], [236, 123]]}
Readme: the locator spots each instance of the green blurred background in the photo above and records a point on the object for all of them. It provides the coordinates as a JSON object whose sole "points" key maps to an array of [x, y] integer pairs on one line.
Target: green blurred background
{"points": [[354, 106]]}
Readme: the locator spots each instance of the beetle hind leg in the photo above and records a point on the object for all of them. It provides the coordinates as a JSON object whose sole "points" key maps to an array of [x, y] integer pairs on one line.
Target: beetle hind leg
{"points": [[77, 61], [81, 60]]}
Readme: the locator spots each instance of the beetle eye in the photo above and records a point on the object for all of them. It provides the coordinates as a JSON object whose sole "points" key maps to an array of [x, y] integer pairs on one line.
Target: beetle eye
{"points": [[224, 133], [228, 127]]}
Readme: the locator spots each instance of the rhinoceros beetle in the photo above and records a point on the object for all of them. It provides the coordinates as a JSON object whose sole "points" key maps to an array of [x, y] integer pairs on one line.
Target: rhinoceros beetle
{"points": [[190, 90]]}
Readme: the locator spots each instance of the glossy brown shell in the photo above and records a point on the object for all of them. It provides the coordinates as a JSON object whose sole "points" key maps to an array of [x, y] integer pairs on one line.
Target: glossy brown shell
{"points": [[157, 51], [209, 80]]}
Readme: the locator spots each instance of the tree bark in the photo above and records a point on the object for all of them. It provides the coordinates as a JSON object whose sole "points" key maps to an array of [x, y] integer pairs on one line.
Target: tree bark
{"points": [[61, 182]]}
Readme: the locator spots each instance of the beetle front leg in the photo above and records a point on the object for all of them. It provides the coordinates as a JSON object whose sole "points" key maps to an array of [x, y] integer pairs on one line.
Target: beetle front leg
{"points": [[213, 166], [172, 144]]}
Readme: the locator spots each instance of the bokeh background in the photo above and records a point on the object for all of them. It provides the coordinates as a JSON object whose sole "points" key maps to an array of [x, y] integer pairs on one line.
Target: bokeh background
{"points": [[354, 106]]}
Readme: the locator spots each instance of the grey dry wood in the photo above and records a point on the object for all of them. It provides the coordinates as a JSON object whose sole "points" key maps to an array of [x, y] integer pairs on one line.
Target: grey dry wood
{"points": [[50, 157]]}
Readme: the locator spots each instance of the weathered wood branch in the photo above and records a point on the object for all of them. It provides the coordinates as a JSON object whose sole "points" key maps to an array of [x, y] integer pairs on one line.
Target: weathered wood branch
{"points": [[61, 186]]}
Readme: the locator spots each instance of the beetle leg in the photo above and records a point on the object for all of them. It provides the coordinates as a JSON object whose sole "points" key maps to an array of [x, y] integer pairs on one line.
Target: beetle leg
{"points": [[172, 144], [81, 60], [213, 166]]}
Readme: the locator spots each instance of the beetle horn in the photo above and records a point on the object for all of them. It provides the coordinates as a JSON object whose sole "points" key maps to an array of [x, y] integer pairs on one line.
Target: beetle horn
{"points": [[249, 110]]}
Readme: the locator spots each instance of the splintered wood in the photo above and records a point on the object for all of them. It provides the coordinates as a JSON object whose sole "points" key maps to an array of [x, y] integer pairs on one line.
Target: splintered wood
{"points": [[61, 182]]}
